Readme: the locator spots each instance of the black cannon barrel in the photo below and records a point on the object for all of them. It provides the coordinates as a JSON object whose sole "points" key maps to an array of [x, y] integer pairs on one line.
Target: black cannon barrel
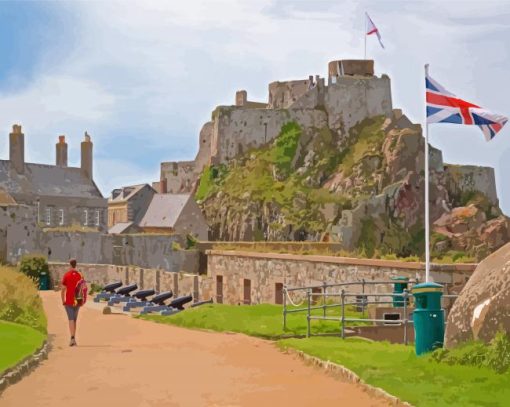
{"points": [[143, 294], [112, 286], [179, 302], [161, 298], [127, 289]]}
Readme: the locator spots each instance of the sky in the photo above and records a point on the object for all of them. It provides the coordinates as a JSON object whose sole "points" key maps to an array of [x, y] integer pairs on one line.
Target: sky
{"points": [[142, 77]]}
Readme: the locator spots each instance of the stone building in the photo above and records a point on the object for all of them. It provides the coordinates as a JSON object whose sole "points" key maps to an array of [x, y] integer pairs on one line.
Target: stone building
{"points": [[127, 205], [61, 196], [352, 93], [140, 209], [174, 213]]}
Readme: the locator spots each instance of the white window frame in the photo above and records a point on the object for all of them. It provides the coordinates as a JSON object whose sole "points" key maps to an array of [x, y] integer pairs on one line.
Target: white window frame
{"points": [[86, 221], [98, 217], [48, 216], [61, 217]]}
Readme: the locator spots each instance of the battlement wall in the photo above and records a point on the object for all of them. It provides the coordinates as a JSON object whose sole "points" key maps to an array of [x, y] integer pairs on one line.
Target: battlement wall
{"points": [[238, 130]]}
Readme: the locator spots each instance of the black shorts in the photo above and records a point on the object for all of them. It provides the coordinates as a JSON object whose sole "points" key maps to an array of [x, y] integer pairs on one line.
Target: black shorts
{"points": [[72, 312]]}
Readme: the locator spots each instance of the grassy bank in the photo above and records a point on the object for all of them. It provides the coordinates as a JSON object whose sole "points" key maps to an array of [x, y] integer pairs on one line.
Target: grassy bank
{"points": [[19, 300], [17, 342], [263, 320], [418, 380], [22, 319]]}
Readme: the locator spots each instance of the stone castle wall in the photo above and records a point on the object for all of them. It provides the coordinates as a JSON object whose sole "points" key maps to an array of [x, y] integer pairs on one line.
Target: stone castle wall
{"points": [[238, 130], [466, 178], [265, 270], [180, 283], [20, 235]]}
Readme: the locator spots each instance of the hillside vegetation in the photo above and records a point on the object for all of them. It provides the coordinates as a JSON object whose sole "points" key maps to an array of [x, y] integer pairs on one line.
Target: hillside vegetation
{"points": [[362, 188]]}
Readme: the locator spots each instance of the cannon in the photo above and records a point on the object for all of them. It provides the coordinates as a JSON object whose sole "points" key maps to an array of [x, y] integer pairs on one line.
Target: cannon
{"points": [[108, 291], [122, 294], [177, 305], [157, 303], [197, 304], [179, 302], [138, 299]]}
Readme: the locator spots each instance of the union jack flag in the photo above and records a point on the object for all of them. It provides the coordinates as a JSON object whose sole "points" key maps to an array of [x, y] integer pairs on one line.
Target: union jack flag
{"points": [[445, 107]]}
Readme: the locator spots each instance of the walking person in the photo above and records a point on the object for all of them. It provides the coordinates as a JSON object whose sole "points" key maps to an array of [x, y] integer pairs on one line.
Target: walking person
{"points": [[74, 295]]}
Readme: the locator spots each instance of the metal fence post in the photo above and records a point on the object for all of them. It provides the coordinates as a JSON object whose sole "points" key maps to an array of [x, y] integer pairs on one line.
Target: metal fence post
{"points": [[405, 315], [284, 308], [343, 313], [363, 297], [309, 295], [324, 288]]}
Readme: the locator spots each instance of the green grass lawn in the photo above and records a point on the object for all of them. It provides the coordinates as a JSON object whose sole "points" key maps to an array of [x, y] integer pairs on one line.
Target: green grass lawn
{"points": [[17, 342], [418, 380], [263, 320]]}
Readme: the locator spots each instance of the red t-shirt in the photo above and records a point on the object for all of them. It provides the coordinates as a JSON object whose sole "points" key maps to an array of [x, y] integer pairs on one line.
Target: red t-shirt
{"points": [[70, 281]]}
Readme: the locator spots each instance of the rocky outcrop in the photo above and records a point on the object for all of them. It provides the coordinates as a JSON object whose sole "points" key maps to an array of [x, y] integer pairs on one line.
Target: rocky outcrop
{"points": [[483, 307], [364, 189]]}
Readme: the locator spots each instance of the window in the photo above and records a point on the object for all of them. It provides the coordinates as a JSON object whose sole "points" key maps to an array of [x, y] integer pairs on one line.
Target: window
{"points": [[98, 217], [48, 216], [61, 217], [85, 217]]}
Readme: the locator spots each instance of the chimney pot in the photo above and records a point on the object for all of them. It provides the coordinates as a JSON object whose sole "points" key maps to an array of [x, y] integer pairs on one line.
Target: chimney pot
{"points": [[17, 149], [61, 149], [86, 156]]}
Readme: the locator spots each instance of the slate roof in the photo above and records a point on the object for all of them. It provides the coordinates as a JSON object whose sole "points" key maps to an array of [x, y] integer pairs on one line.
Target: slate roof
{"points": [[126, 193], [47, 180], [164, 210]]}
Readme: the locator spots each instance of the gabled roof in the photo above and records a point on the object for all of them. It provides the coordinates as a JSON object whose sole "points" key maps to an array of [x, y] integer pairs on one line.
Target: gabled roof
{"points": [[6, 198], [120, 227], [164, 210], [47, 180], [126, 193]]}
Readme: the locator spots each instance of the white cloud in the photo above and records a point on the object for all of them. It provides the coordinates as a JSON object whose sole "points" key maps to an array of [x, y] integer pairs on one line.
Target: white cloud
{"points": [[145, 75]]}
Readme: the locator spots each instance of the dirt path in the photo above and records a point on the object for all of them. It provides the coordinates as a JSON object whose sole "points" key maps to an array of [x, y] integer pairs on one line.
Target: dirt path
{"points": [[131, 362]]}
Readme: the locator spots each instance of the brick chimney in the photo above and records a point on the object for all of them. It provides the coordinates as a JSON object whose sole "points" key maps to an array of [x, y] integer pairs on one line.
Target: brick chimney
{"points": [[61, 148], [86, 156], [17, 149]]}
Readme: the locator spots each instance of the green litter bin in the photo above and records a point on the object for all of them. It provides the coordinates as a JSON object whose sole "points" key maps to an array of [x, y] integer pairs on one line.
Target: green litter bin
{"points": [[44, 281], [428, 317], [399, 286]]}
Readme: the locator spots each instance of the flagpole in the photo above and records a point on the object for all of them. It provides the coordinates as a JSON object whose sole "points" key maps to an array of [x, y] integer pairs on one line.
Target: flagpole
{"points": [[365, 34], [427, 221]]}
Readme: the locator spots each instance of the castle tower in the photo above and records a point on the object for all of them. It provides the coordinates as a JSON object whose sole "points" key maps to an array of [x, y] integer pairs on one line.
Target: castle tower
{"points": [[61, 149], [17, 149], [86, 156], [350, 67]]}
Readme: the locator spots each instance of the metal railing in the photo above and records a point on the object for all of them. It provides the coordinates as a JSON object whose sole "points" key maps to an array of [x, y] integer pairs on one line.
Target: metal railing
{"points": [[362, 301]]}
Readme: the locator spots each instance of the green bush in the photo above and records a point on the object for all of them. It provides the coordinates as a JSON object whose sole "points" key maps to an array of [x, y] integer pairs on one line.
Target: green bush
{"points": [[95, 288], [495, 355], [33, 265], [19, 300], [176, 246], [191, 241]]}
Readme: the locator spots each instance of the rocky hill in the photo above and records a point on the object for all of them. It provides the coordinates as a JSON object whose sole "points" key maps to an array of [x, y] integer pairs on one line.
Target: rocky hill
{"points": [[363, 187]]}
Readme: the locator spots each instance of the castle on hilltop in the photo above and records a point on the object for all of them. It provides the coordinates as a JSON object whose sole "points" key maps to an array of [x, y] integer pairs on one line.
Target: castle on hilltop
{"points": [[352, 93]]}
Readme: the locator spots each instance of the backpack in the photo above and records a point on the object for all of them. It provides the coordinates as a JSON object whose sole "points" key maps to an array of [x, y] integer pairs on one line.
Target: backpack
{"points": [[80, 292]]}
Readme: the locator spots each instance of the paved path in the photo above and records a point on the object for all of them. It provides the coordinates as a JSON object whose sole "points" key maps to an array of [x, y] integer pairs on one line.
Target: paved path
{"points": [[127, 362]]}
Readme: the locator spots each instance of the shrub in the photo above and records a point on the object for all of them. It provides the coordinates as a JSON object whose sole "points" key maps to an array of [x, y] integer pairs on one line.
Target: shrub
{"points": [[19, 300], [176, 246], [191, 241], [33, 266], [95, 288], [495, 355]]}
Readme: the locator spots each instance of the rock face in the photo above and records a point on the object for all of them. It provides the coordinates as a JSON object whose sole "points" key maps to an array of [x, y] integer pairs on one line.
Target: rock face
{"points": [[483, 307], [364, 189]]}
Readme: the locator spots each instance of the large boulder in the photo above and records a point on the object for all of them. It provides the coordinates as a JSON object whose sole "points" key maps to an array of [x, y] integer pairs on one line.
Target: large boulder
{"points": [[483, 307]]}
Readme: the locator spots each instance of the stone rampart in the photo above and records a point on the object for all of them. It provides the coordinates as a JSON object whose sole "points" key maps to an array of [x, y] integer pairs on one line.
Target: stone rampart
{"points": [[264, 273]]}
